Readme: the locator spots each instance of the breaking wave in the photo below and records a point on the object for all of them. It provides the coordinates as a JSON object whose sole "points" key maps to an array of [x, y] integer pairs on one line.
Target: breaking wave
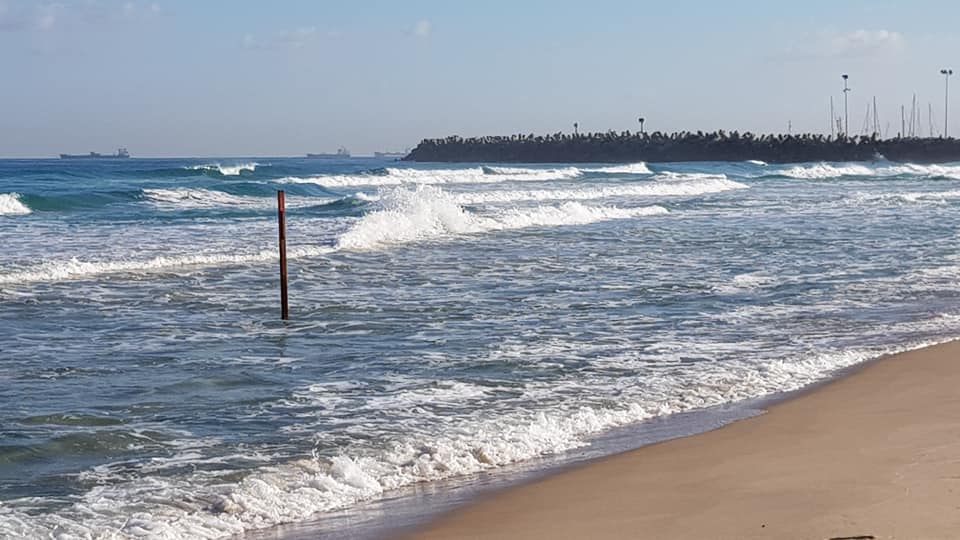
{"points": [[72, 269], [886, 169], [181, 198], [197, 198], [10, 205], [475, 175], [908, 197], [409, 215], [633, 168], [227, 170], [695, 186]]}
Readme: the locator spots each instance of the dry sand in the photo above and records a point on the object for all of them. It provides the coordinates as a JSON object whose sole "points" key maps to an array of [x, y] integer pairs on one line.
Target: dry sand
{"points": [[873, 454]]}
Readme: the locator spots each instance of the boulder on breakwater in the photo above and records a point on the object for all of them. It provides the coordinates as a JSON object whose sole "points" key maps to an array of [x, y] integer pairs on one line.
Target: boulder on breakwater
{"points": [[629, 147]]}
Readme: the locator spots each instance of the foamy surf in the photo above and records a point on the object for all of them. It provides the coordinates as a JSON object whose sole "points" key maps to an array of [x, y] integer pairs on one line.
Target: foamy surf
{"points": [[632, 168], [692, 187], [413, 214], [10, 205], [196, 198], [227, 170], [202, 505], [74, 269], [818, 171], [907, 197], [473, 175]]}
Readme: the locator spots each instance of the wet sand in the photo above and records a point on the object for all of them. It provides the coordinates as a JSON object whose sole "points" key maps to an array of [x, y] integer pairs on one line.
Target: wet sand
{"points": [[873, 454]]}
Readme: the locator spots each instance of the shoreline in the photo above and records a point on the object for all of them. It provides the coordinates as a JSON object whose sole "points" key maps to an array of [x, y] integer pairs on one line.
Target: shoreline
{"points": [[868, 452], [409, 511]]}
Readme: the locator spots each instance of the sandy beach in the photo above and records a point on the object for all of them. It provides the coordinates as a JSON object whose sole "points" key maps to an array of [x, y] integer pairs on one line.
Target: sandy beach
{"points": [[874, 454]]}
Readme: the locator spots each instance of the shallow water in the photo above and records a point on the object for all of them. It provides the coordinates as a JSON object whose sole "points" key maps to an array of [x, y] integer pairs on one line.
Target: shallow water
{"points": [[445, 319]]}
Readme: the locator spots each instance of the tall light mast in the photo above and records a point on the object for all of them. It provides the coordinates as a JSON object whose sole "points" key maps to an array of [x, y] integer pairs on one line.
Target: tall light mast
{"points": [[846, 116], [946, 97]]}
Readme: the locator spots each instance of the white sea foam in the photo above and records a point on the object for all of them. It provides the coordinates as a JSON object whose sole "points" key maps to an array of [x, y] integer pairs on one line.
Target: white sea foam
{"points": [[473, 175], [196, 198], [826, 170], [71, 269], [757, 162], [632, 168], [412, 214], [10, 205], [227, 170], [907, 197], [746, 282], [698, 186], [200, 506], [882, 169], [910, 169], [407, 215], [687, 176], [180, 198]]}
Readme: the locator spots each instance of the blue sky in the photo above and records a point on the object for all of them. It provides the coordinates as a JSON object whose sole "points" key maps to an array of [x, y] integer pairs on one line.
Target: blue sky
{"points": [[246, 77]]}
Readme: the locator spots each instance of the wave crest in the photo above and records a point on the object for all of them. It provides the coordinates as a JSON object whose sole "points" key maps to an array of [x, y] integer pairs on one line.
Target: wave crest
{"points": [[696, 186], [71, 269], [408, 215], [474, 175], [227, 170], [10, 205], [633, 168], [886, 169]]}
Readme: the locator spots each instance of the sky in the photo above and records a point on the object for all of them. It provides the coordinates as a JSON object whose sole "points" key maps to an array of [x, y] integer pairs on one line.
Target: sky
{"points": [[258, 78]]}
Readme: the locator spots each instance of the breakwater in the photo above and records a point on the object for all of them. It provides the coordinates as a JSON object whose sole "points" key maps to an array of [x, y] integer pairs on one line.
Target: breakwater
{"points": [[628, 147]]}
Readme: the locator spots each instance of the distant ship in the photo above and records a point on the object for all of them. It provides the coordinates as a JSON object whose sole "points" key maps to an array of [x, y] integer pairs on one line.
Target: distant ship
{"points": [[121, 154], [341, 153], [390, 155]]}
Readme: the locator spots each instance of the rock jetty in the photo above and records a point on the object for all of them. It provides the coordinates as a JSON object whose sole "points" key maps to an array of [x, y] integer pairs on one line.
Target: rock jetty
{"points": [[630, 147]]}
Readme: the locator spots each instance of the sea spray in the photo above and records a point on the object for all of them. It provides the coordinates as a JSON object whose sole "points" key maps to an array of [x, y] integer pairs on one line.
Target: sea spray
{"points": [[10, 205], [227, 170], [421, 212], [693, 187]]}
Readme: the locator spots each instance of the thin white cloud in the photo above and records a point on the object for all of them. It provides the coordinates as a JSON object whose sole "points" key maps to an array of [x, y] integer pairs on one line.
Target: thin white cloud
{"points": [[297, 38], [23, 16], [866, 43], [423, 29], [853, 44]]}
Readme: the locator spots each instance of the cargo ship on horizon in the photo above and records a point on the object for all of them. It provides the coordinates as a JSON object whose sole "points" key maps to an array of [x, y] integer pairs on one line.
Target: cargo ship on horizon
{"points": [[121, 154], [341, 153]]}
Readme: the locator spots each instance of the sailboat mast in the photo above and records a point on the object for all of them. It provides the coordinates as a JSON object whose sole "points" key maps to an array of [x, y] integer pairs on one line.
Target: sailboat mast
{"points": [[833, 131], [876, 121]]}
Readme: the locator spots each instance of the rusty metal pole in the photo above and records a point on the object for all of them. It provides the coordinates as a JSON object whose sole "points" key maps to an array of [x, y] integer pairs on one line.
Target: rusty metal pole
{"points": [[282, 220]]}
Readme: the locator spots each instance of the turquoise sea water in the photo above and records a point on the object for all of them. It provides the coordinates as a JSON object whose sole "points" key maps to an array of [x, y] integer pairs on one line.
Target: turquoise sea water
{"points": [[445, 319]]}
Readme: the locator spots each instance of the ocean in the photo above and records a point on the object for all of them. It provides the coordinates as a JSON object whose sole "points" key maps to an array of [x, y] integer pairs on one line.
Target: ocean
{"points": [[446, 320]]}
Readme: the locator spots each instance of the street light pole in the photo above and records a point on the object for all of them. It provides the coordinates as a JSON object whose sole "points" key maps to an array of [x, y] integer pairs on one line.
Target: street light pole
{"points": [[946, 97], [846, 117]]}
